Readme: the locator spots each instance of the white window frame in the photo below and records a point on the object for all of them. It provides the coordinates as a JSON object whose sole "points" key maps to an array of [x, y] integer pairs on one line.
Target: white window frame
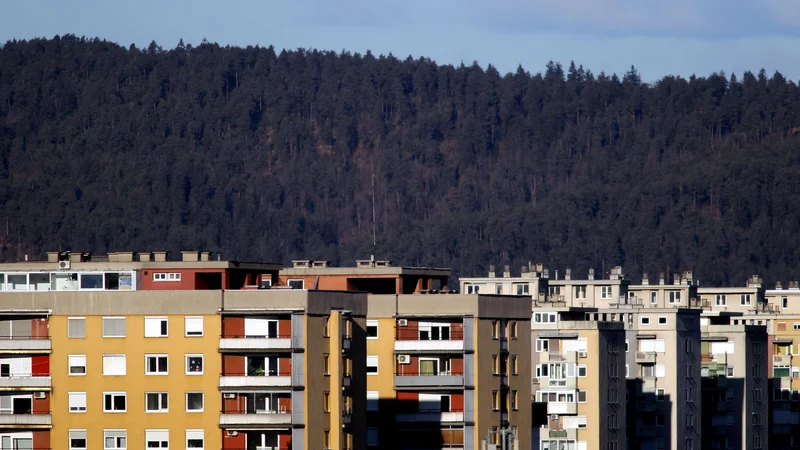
{"points": [[745, 300], [159, 436], [202, 397], [473, 288], [644, 320], [149, 323], [784, 302], [605, 292], [372, 361], [582, 367], [674, 297], [77, 402], [202, 363], [119, 356], [115, 318], [155, 356], [662, 320], [302, 283], [721, 300], [653, 297], [75, 361], [198, 434], [116, 435], [373, 323], [542, 345], [545, 317], [373, 400], [190, 328], [161, 277], [113, 395], [160, 395], [580, 292], [77, 435], [69, 320]]}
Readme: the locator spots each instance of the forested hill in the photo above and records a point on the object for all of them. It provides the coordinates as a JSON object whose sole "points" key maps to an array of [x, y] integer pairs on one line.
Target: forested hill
{"points": [[265, 155]]}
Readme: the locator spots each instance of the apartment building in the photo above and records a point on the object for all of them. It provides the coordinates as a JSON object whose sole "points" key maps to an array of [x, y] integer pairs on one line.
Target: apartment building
{"points": [[118, 367], [532, 281], [681, 292], [369, 275], [131, 271], [445, 371], [735, 387], [578, 368]]}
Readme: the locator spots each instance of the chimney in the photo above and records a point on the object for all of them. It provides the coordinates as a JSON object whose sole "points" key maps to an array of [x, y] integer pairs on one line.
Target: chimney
{"points": [[645, 279], [190, 256], [52, 257], [591, 274], [491, 271], [301, 263], [754, 281], [205, 256], [160, 256], [676, 279], [320, 264], [778, 285], [688, 277], [662, 278], [506, 271], [75, 257], [568, 274], [523, 271], [144, 256], [794, 285]]}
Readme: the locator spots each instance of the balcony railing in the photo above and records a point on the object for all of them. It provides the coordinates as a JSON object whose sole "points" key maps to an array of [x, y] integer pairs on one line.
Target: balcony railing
{"points": [[241, 342], [237, 380], [27, 343], [413, 334], [243, 416], [562, 408], [414, 378], [26, 380], [410, 340], [29, 420], [645, 357], [429, 415]]}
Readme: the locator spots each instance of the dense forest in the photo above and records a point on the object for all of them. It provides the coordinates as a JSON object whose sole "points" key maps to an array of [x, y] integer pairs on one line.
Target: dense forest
{"points": [[267, 155]]}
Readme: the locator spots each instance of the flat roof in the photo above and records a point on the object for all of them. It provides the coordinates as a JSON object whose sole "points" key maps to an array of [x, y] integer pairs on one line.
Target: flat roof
{"points": [[727, 290], [449, 305], [386, 271], [44, 266]]}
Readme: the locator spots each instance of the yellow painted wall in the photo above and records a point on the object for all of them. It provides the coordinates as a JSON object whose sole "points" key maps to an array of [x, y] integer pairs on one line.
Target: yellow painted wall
{"points": [[383, 348], [135, 383]]}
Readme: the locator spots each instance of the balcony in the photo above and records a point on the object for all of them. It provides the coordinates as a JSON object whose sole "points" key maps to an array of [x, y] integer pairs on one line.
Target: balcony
{"points": [[431, 416], [243, 380], [564, 408], [242, 343], [415, 379], [561, 357], [782, 360], [558, 433], [410, 340], [25, 344], [38, 420], [568, 382], [246, 418], [16, 382], [645, 357]]}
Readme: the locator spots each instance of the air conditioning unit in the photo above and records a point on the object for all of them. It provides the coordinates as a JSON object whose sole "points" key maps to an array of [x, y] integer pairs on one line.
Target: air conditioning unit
{"points": [[581, 354], [63, 264], [402, 322], [229, 395], [231, 433], [404, 359], [535, 381], [39, 395]]}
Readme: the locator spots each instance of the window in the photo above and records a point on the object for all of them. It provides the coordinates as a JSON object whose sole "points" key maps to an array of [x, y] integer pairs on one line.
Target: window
{"points": [[796, 325], [77, 402], [115, 439], [513, 399], [161, 276], [326, 402], [660, 394], [77, 439], [113, 327], [326, 439], [653, 297], [76, 327], [544, 318], [194, 401], [193, 325], [662, 320], [296, 284], [91, 281], [644, 320], [498, 288], [325, 321], [495, 365], [114, 402], [744, 299], [114, 365], [627, 371], [156, 364], [372, 365], [785, 302], [580, 292], [581, 396], [495, 401], [542, 345], [194, 364], [156, 438], [155, 327], [372, 400], [514, 365], [605, 292], [372, 437], [326, 365], [512, 329], [721, 300], [674, 296], [77, 365], [582, 371], [473, 288], [195, 439], [522, 289], [372, 329], [156, 402]]}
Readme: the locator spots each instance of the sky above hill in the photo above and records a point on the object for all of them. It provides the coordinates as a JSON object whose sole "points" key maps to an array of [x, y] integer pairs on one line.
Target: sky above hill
{"points": [[680, 37]]}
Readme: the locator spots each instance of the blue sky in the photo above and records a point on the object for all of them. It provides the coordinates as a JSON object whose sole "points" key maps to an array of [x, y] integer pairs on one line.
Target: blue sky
{"points": [[680, 37]]}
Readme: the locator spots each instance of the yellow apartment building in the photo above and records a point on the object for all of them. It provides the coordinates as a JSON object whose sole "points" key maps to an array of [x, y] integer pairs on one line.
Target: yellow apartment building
{"points": [[447, 371]]}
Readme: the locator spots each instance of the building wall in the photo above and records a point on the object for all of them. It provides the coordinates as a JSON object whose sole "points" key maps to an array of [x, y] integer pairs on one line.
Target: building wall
{"points": [[316, 383], [523, 417], [135, 383]]}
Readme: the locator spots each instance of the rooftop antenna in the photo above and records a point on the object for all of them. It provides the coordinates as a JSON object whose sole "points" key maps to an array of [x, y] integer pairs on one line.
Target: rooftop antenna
{"points": [[374, 233]]}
